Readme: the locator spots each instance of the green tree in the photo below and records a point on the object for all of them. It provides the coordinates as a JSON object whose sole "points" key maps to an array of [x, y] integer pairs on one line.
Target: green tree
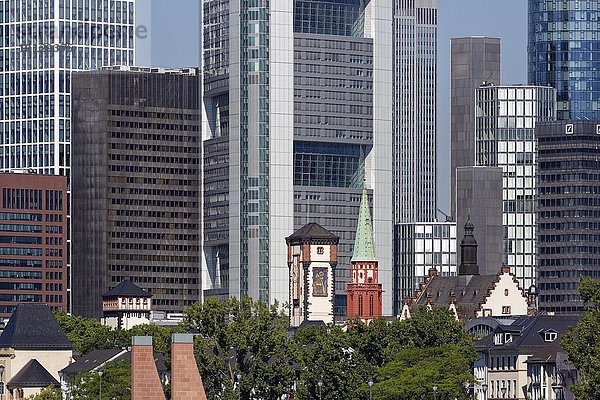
{"points": [[49, 393], [116, 383], [582, 343], [254, 335], [86, 334]]}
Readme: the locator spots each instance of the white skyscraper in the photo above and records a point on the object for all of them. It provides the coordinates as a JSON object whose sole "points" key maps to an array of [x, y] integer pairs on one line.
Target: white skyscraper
{"points": [[287, 86], [415, 110]]}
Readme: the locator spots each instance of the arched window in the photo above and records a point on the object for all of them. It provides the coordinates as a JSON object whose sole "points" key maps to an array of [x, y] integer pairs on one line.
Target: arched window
{"points": [[360, 308]]}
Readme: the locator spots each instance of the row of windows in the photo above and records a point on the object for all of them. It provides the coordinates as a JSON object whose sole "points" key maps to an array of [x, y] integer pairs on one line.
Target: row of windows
{"points": [[20, 286], [21, 239], [570, 225], [17, 251], [8, 216], [21, 298], [155, 258], [20, 228], [554, 262], [20, 263], [154, 247], [569, 189], [574, 177], [21, 274], [569, 202], [570, 273], [569, 214]]}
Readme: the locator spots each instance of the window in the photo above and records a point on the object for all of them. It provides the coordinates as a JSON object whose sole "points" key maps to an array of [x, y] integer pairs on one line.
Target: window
{"points": [[320, 250], [550, 336], [505, 309], [506, 292]]}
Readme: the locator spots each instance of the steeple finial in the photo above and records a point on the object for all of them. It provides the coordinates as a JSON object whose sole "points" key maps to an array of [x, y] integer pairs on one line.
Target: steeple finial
{"points": [[364, 245], [468, 251]]}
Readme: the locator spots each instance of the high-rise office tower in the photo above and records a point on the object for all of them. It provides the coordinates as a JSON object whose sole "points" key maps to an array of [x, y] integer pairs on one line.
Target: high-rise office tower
{"points": [[136, 168], [473, 61], [415, 110], [563, 52], [567, 215], [505, 119], [297, 113], [42, 43]]}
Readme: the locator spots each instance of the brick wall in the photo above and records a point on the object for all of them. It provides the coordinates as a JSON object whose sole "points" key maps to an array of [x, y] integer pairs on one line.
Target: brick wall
{"points": [[186, 383], [145, 383]]}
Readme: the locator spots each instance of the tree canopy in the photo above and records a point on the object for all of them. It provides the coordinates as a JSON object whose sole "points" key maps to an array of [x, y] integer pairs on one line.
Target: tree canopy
{"points": [[583, 343]]}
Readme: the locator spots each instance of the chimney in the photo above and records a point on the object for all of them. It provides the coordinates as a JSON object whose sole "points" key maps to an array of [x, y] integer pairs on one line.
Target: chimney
{"points": [[145, 383], [186, 383], [468, 251]]}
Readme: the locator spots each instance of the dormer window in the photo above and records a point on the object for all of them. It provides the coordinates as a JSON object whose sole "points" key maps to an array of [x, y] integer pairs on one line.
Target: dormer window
{"points": [[550, 336], [498, 339], [507, 338]]}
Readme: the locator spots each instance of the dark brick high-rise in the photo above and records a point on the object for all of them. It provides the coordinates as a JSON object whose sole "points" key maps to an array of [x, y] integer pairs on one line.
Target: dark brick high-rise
{"points": [[136, 186], [568, 216]]}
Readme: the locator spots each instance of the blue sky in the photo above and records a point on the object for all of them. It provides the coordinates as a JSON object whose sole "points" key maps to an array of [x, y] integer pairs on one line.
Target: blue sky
{"points": [[175, 43]]}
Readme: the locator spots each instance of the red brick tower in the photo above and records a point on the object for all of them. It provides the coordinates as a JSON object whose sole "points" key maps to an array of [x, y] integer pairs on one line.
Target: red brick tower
{"points": [[364, 290]]}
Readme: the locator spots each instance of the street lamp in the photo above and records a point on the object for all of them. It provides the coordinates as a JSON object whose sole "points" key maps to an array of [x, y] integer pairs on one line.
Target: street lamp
{"points": [[503, 390], [239, 378], [1, 381], [435, 388], [484, 387], [320, 384], [370, 389], [100, 372]]}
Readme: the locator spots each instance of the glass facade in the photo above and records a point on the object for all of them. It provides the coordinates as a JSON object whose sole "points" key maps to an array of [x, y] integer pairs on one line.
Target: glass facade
{"points": [[504, 132], [415, 105], [420, 247], [330, 17], [564, 52]]}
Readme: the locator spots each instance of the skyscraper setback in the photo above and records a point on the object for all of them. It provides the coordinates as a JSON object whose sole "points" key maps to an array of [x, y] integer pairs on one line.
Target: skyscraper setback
{"points": [[296, 117]]}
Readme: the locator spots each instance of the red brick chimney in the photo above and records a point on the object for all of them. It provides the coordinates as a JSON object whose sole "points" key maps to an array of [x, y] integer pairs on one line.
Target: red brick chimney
{"points": [[145, 383], [186, 383]]}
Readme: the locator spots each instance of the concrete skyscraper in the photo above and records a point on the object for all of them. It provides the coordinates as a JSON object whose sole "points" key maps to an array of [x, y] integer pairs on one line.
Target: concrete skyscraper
{"points": [[296, 113], [567, 215], [473, 61], [415, 110], [563, 52]]}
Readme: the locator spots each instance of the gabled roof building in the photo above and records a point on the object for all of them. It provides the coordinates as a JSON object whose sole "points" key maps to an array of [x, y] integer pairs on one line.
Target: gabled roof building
{"points": [[126, 306], [33, 348]]}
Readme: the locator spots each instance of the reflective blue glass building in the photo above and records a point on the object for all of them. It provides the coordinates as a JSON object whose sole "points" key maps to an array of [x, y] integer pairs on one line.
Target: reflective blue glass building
{"points": [[564, 52]]}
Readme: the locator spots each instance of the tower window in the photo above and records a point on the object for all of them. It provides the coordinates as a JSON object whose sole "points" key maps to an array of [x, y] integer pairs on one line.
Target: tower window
{"points": [[320, 250]]}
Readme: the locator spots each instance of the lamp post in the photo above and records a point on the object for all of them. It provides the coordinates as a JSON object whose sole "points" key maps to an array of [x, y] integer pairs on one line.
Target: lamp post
{"points": [[435, 388], [1, 381], [370, 389], [100, 372], [503, 390], [239, 378], [485, 388], [320, 384]]}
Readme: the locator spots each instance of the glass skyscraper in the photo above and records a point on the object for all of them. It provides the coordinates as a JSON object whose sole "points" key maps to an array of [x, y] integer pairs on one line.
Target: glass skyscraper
{"points": [[415, 110], [292, 126], [564, 52], [504, 137]]}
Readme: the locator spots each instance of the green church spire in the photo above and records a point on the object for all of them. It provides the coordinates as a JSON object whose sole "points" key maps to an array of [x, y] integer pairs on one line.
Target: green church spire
{"points": [[364, 245]]}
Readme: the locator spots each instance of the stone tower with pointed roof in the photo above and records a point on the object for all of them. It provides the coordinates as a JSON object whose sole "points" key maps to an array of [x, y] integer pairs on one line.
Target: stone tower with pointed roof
{"points": [[312, 260], [468, 251], [364, 290]]}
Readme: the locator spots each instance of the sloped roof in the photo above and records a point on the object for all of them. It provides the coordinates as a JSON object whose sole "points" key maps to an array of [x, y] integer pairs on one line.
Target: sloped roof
{"points": [[528, 331], [364, 245], [33, 374], [33, 326], [312, 231], [469, 291], [126, 288]]}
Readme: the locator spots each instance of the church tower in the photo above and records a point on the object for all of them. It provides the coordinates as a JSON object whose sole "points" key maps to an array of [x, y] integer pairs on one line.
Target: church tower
{"points": [[364, 290]]}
